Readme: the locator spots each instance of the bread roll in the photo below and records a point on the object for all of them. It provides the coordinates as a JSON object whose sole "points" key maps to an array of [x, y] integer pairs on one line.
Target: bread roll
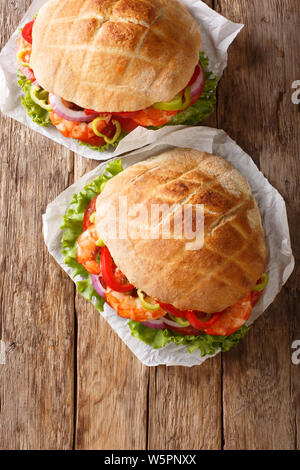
{"points": [[114, 55], [233, 255]]}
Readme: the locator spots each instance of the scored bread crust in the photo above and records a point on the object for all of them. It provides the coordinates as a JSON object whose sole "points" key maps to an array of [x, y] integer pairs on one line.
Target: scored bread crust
{"points": [[233, 255], [114, 55]]}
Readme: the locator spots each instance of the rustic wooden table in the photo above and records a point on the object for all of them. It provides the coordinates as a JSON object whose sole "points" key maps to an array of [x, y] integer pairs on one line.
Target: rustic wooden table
{"points": [[69, 381]]}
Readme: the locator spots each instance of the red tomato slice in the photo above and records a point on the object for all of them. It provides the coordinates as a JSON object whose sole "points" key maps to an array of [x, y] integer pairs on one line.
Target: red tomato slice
{"points": [[195, 76], [94, 141], [172, 310], [90, 112], [91, 208], [129, 114], [255, 296], [109, 131], [127, 124], [195, 319], [27, 32], [112, 276]]}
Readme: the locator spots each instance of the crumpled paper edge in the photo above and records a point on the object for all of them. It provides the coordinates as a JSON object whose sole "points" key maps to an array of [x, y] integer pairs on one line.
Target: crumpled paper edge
{"points": [[217, 34], [280, 260]]}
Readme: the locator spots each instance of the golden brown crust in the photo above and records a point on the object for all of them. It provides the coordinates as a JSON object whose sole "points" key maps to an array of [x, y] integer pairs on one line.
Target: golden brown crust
{"points": [[233, 255], [114, 55]]}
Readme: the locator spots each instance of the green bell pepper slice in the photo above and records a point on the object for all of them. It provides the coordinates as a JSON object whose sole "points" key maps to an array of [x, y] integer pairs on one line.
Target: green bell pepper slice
{"points": [[107, 139], [177, 104], [179, 320], [264, 281], [147, 305], [43, 103]]}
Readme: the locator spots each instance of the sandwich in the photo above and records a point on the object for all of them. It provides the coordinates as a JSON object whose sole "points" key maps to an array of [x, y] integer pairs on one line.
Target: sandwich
{"points": [[193, 288], [97, 69]]}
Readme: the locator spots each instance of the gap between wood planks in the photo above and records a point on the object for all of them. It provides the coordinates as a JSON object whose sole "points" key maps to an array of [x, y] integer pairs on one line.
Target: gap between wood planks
{"points": [[75, 366]]}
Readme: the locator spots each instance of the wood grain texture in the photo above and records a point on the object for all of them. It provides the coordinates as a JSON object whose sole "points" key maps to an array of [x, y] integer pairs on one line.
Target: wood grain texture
{"points": [[112, 385], [37, 298], [69, 381], [260, 396], [185, 407]]}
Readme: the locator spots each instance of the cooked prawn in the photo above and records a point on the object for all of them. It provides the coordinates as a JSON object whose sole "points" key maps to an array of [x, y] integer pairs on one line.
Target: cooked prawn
{"points": [[87, 250], [78, 130], [232, 319], [153, 117], [128, 306]]}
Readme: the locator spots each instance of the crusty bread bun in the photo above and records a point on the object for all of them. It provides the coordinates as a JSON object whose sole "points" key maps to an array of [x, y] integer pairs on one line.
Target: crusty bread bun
{"points": [[233, 255], [114, 55]]}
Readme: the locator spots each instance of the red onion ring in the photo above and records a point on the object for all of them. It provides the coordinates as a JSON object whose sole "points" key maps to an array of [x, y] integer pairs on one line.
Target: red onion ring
{"points": [[28, 72], [156, 324], [66, 113], [198, 85], [161, 324], [97, 285], [171, 323]]}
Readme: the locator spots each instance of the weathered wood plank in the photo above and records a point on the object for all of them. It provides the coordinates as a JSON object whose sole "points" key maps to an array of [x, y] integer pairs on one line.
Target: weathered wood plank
{"points": [[260, 400], [37, 299], [185, 407], [112, 383]]}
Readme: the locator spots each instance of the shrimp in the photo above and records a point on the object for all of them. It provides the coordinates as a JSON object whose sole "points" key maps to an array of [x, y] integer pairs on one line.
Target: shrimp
{"points": [[128, 306], [78, 130], [87, 250], [232, 319], [153, 117]]}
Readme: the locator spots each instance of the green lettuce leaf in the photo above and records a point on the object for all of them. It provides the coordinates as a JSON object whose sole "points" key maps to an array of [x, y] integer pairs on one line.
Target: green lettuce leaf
{"points": [[207, 344], [39, 115], [72, 227]]}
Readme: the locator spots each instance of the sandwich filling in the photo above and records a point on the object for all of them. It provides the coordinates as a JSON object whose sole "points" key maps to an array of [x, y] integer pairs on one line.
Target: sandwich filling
{"points": [[100, 130], [150, 320]]}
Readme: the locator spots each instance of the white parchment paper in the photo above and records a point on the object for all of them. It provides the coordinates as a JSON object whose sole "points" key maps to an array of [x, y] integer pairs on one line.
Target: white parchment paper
{"points": [[280, 261], [217, 34]]}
